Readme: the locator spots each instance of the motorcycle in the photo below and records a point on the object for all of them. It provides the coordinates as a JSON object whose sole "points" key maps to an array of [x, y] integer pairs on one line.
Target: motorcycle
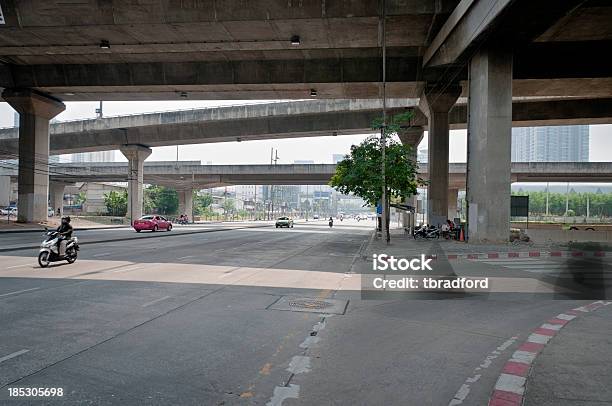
{"points": [[331, 223], [426, 232], [49, 250]]}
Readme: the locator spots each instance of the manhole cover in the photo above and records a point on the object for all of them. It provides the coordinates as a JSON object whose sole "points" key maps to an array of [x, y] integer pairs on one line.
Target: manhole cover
{"points": [[308, 304]]}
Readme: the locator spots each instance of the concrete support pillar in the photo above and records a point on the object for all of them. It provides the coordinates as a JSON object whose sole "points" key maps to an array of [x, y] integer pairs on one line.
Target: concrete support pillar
{"points": [[411, 137], [185, 198], [436, 105], [5, 190], [489, 145], [56, 192], [136, 155], [453, 195], [35, 110]]}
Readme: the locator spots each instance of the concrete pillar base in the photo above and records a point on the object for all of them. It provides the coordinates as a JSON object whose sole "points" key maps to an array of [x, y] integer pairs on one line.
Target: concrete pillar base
{"points": [[56, 192], [136, 155], [5, 191], [489, 146], [435, 106], [185, 198], [453, 195], [35, 110]]}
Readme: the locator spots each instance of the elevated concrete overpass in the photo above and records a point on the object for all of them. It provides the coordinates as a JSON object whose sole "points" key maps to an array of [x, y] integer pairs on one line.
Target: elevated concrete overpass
{"points": [[437, 50], [192, 174], [282, 50], [309, 118], [186, 176]]}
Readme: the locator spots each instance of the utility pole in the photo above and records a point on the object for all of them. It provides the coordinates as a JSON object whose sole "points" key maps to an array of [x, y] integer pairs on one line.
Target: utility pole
{"points": [[383, 142], [547, 184], [99, 111]]}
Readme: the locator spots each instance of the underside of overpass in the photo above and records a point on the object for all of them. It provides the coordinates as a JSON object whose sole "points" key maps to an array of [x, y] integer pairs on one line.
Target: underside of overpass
{"points": [[495, 53]]}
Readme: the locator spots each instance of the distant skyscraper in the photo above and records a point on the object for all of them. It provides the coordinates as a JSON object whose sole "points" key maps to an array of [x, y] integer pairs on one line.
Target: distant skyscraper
{"points": [[98, 156], [550, 144], [16, 120], [337, 158]]}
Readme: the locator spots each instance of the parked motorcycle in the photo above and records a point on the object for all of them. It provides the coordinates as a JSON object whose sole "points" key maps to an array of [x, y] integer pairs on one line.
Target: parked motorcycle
{"points": [[426, 232], [49, 250]]}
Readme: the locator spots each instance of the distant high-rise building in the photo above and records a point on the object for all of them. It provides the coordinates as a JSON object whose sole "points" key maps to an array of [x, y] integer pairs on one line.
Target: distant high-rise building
{"points": [[98, 156], [550, 144], [337, 158], [16, 120]]}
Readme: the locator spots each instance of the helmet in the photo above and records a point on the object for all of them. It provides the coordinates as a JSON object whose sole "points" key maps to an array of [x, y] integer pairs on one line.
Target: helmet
{"points": [[66, 219]]}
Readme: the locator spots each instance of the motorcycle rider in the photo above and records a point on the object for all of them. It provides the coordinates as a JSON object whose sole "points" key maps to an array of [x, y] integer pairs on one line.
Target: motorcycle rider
{"points": [[331, 221], [64, 233]]}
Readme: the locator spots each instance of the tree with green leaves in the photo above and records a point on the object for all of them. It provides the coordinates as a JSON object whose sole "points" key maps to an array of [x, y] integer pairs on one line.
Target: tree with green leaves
{"points": [[228, 206], [360, 173], [201, 203], [160, 199], [116, 202]]}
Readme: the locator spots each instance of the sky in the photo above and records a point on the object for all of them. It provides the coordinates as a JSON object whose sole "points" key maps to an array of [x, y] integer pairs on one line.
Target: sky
{"points": [[317, 149]]}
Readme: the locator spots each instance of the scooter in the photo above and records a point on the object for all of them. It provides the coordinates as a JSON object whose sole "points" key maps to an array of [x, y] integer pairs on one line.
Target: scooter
{"points": [[49, 250], [426, 232], [331, 223]]}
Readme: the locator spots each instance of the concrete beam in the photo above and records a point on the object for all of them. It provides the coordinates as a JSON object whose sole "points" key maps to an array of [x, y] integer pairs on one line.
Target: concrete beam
{"points": [[508, 23]]}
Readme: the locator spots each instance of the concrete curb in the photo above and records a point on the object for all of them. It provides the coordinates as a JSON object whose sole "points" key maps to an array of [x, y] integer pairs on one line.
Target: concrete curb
{"points": [[140, 236], [527, 254], [509, 389]]}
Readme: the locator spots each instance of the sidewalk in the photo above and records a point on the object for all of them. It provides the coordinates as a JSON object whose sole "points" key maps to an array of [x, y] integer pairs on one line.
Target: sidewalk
{"points": [[576, 366], [404, 245]]}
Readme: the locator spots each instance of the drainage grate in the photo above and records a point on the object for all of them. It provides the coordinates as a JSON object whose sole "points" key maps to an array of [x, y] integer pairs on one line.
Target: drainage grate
{"points": [[308, 304]]}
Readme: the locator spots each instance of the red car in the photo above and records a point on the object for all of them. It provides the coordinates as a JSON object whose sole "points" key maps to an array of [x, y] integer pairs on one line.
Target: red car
{"points": [[153, 223]]}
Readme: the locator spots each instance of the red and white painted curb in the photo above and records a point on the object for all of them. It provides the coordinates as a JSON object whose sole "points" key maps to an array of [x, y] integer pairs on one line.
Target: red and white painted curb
{"points": [[510, 386], [526, 254]]}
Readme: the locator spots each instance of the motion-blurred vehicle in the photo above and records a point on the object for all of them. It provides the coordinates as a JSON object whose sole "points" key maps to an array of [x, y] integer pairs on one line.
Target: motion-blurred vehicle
{"points": [[50, 211], [315, 217], [152, 223], [9, 210], [284, 222]]}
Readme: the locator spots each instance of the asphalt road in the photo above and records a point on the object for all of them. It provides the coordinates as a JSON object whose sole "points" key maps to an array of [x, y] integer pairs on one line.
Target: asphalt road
{"points": [[204, 319]]}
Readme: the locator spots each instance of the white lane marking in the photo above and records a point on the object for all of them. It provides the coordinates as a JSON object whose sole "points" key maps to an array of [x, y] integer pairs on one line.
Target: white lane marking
{"points": [[300, 364], [104, 254], [564, 316], [284, 392], [155, 301], [17, 266], [13, 355], [548, 326], [538, 338], [524, 357], [19, 291], [515, 261], [538, 266], [464, 390], [511, 383], [185, 257], [309, 342]]}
